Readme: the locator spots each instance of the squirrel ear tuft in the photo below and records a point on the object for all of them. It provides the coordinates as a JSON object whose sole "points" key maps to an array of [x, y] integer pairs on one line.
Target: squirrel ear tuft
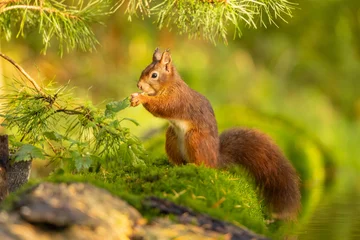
{"points": [[156, 55], [166, 58]]}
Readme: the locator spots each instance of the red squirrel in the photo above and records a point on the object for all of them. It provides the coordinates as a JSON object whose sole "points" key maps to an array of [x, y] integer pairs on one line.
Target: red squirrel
{"points": [[192, 136]]}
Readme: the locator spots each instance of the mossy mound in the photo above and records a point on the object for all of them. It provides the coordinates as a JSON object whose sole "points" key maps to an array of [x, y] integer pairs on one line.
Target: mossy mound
{"points": [[221, 194], [61, 211], [224, 195]]}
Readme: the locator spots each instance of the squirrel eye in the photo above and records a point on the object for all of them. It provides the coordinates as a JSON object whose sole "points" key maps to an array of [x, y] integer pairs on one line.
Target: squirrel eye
{"points": [[154, 75]]}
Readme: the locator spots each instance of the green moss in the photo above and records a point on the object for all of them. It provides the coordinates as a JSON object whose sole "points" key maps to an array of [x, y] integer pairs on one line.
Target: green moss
{"points": [[221, 194], [225, 195]]}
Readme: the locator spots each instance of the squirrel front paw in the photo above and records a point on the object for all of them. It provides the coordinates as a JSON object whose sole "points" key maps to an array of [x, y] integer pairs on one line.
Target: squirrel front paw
{"points": [[135, 99]]}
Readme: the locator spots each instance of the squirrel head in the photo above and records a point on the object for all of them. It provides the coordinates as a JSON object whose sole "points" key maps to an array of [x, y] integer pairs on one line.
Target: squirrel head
{"points": [[158, 74]]}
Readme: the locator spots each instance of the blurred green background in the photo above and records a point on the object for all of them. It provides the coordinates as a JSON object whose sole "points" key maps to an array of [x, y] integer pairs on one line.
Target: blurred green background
{"points": [[300, 83]]}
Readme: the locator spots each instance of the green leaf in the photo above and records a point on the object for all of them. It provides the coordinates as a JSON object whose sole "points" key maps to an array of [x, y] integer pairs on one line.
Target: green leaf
{"points": [[116, 106], [27, 152], [83, 162]]}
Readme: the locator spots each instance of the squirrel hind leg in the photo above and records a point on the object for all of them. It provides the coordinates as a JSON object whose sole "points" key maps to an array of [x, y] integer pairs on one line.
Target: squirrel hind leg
{"points": [[273, 173], [202, 152]]}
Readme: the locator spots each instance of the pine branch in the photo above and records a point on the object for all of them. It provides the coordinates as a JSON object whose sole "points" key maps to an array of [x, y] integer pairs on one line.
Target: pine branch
{"points": [[69, 24], [38, 8], [79, 133], [212, 19]]}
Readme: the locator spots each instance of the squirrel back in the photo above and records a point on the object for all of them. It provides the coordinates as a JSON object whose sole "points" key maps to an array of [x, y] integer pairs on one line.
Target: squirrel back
{"points": [[192, 136]]}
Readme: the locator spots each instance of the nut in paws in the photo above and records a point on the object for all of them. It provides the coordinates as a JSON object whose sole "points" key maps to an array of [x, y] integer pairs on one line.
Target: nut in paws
{"points": [[135, 99]]}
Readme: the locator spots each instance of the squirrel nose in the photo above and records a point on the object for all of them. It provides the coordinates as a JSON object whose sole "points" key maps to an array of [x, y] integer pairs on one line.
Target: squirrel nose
{"points": [[139, 86]]}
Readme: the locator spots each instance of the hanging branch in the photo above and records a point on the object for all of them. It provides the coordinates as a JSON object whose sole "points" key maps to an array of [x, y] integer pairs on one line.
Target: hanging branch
{"points": [[213, 19], [70, 25], [208, 19]]}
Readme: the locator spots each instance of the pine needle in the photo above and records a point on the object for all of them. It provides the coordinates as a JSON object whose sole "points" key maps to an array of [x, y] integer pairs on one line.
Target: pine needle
{"points": [[213, 19], [69, 24]]}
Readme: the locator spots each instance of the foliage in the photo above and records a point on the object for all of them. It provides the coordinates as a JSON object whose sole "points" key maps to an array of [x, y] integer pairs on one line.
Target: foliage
{"points": [[49, 123], [212, 19], [68, 23], [209, 19]]}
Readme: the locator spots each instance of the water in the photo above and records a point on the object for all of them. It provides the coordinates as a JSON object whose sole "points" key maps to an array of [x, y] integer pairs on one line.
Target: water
{"points": [[336, 215]]}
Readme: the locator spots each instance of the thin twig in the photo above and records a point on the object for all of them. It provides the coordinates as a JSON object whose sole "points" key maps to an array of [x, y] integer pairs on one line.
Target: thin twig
{"points": [[37, 8], [51, 145], [69, 111], [38, 88], [28, 77]]}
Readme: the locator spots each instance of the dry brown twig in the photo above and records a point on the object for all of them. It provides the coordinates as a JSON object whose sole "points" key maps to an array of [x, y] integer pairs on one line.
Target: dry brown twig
{"points": [[26, 75]]}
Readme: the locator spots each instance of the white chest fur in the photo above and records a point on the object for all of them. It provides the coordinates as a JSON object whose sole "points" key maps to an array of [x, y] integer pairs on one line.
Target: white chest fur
{"points": [[181, 127]]}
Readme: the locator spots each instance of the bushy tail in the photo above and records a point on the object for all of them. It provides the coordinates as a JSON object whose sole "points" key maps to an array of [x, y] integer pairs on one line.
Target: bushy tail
{"points": [[273, 173]]}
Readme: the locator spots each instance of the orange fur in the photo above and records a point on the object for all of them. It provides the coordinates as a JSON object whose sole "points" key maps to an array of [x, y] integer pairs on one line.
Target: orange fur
{"points": [[193, 136]]}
